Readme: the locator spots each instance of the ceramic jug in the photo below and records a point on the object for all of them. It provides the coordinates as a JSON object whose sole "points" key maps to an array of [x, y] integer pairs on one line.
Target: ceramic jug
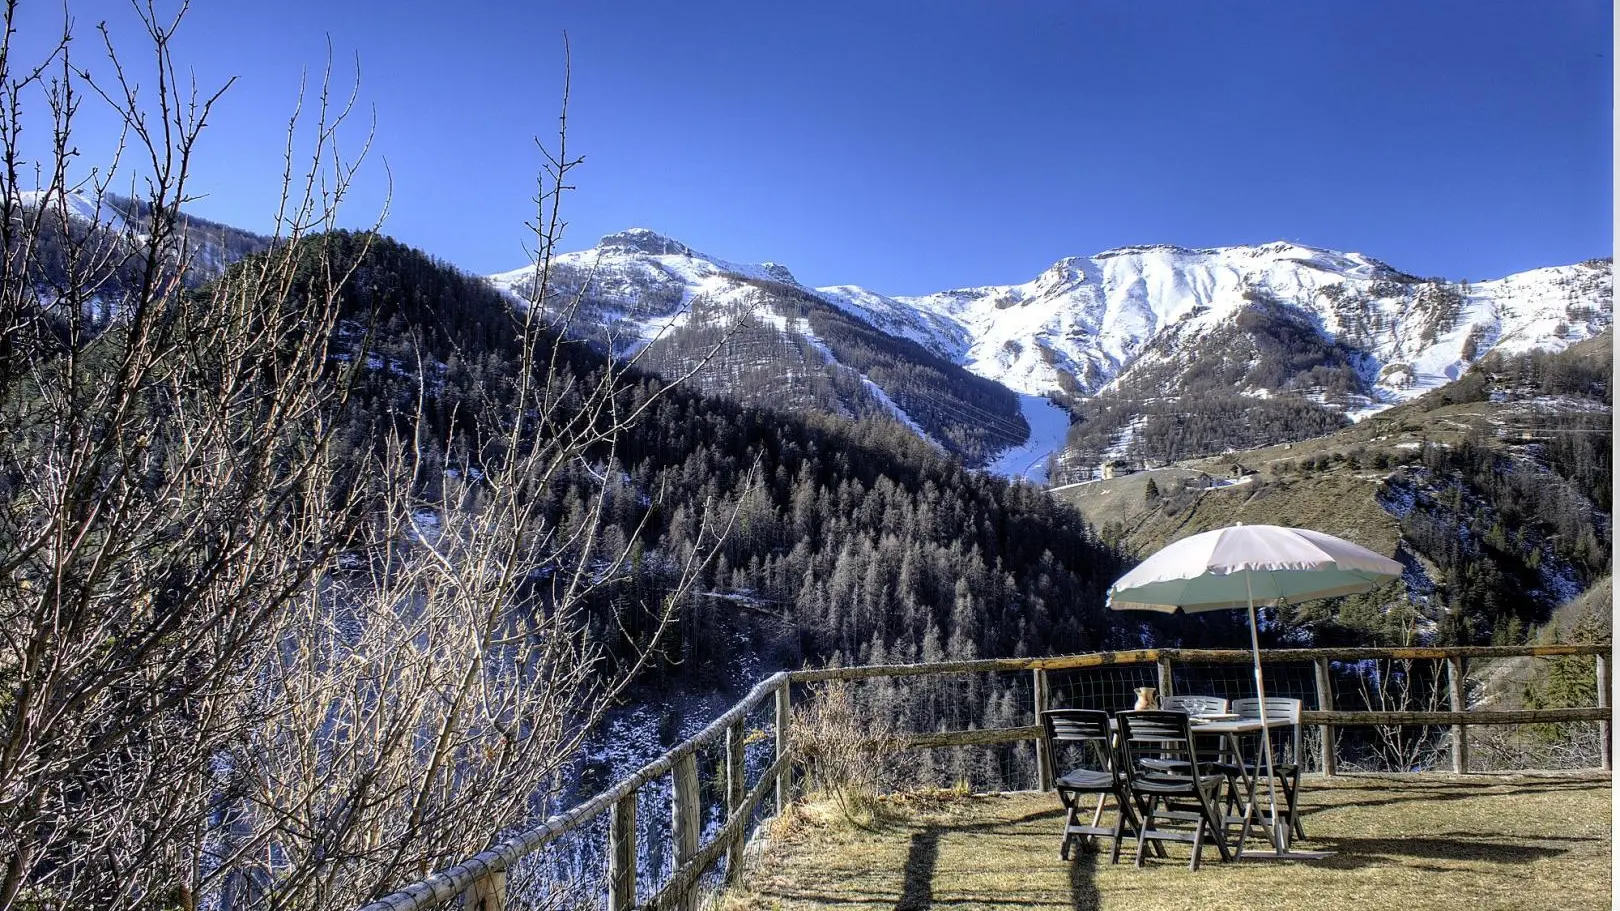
{"points": [[1145, 698]]}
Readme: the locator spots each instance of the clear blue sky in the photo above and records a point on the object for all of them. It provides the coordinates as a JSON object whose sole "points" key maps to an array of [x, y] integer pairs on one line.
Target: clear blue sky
{"points": [[912, 147]]}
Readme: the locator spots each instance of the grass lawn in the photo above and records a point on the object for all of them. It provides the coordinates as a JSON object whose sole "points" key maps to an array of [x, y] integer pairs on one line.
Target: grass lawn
{"points": [[1410, 842]]}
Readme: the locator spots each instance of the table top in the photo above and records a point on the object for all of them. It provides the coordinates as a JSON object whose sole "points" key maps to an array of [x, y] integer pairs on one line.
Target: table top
{"points": [[1223, 724], [1236, 725]]}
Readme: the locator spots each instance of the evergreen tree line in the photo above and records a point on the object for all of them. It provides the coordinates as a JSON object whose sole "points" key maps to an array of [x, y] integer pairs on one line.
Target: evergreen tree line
{"points": [[1509, 513], [1178, 406], [848, 541]]}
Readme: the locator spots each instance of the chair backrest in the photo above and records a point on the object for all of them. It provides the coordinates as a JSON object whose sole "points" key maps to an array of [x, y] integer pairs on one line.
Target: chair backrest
{"points": [[1086, 728], [1194, 705], [1277, 709], [1157, 735]]}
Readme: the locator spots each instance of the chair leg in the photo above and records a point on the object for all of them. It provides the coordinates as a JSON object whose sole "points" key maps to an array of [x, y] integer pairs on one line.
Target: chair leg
{"points": [[1248, 820], [1198, 842], [1291, 789], [1142, 832], [1119, 825], [1217, 825], [1232, 799], [1070, 818], [1091, 844], [1156, 846]]}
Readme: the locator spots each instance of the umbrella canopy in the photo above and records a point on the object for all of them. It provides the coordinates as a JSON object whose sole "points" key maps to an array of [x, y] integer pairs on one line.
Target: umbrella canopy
{"points": [[1237, 566], [1229, 567]]}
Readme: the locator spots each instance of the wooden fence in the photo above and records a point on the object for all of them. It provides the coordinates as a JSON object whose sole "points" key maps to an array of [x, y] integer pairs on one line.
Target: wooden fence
{"points": [[480, 881]]}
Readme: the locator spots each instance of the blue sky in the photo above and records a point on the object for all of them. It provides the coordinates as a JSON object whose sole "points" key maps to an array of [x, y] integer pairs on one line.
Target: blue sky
{"points": [[911, 147]]}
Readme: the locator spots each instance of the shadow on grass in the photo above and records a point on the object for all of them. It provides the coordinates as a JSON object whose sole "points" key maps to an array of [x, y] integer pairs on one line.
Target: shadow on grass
{"points": [[1353, 853], [1406, 792], [1083, 883], [922, 862], [918, 891]]}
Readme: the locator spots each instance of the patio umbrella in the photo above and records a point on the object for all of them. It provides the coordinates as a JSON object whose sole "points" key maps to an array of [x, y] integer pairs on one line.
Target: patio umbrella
{"points": [[1237, 566]]}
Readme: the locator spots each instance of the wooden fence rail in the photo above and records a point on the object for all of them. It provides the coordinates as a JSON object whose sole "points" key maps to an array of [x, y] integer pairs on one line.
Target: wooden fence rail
{"points": [[480, 881], [1455, 659]]}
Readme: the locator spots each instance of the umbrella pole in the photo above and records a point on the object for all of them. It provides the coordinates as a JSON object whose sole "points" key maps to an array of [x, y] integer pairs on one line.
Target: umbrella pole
{"points": [[1277, 837]]}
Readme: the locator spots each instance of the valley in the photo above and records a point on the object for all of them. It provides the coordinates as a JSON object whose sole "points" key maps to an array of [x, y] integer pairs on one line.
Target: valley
{"points": [[385, 526], [817, 478]]}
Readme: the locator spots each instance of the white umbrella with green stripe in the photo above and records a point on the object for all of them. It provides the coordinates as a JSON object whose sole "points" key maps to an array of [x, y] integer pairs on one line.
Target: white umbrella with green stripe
{"points": [[1238, 566]]}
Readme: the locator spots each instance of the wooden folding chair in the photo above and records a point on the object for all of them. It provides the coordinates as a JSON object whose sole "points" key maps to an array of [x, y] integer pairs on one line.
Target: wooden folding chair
{"points": [[1080, 738], [1149, 740], [1284, 766]]}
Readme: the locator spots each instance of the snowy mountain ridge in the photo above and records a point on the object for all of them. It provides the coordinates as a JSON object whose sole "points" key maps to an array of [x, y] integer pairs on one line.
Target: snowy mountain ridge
{"points": [[1086, 323], [205, 247], [782, 344], [1142, 314]]}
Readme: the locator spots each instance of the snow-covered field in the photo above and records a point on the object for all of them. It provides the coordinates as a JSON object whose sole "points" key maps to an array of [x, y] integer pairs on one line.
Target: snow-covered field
{"points": [[1048, 430]]}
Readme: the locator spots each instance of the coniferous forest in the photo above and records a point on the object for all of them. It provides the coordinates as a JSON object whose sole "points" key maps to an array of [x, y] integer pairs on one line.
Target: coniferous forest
{"points": [[848, 541]]}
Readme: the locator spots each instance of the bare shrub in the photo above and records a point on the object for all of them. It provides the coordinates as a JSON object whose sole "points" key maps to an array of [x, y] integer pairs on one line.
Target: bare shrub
{"points": [[245, 662], [848, 754]]}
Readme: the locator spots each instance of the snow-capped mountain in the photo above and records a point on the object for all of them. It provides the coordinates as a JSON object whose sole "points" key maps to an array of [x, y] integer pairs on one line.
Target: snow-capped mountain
{"points": [[207, 247], [754, 333], [637, 286], [100, 212], [1086, 323], [1339, 332]]}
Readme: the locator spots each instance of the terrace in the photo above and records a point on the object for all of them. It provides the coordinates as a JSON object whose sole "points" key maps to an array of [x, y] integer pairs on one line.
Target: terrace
{"points": [[1415, 839]]}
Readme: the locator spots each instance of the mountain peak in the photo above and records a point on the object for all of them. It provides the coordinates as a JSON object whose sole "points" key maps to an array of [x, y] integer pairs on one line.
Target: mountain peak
{"points": [[778, 272], [643, 240], [1141, 248], [1065, 273]]}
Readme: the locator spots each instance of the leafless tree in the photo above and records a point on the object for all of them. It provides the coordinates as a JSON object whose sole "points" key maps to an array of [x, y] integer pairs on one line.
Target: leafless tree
{"points": [[167, 479], [431, 698], [1403, 685], [241, 663]]}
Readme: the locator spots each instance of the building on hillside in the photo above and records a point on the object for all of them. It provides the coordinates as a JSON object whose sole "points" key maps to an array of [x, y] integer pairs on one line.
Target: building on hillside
{"points": [[1117, 468]]}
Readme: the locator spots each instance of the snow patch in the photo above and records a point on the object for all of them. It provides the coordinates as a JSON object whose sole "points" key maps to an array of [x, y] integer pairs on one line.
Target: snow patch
{"points": [[1048, 433]]}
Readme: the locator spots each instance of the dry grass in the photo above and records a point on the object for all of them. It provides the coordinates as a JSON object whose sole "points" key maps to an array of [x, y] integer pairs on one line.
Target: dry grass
{"points": [[1339, 501], [1413, 842]]}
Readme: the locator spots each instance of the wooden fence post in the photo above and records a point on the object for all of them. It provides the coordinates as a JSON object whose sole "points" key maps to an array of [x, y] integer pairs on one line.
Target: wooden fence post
{"points": [[687, 819], [1604, 728], [784, 731], [1167, 678], [1043, 701], [734, 795], [1459, 733], [486, 894], [1324, 703], [622, 854]]}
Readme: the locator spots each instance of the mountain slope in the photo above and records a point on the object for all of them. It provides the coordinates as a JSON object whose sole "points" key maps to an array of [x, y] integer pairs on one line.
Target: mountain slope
{"points": [[850, 538], [1495, 490], [1160, 352], [1087, 323], [752, 333], [113, 227]]}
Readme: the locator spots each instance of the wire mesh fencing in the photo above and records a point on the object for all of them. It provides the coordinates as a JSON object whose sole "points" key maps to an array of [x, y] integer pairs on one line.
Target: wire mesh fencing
{"points": [[975, 726], [1390, 685]]}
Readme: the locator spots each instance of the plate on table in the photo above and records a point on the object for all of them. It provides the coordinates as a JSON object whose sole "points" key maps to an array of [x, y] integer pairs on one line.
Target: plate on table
{"points": [[1225, 717]]}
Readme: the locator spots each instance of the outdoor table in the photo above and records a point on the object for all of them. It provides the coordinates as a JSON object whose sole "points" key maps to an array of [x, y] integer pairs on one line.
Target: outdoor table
{"points": [[1231, 730]]}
